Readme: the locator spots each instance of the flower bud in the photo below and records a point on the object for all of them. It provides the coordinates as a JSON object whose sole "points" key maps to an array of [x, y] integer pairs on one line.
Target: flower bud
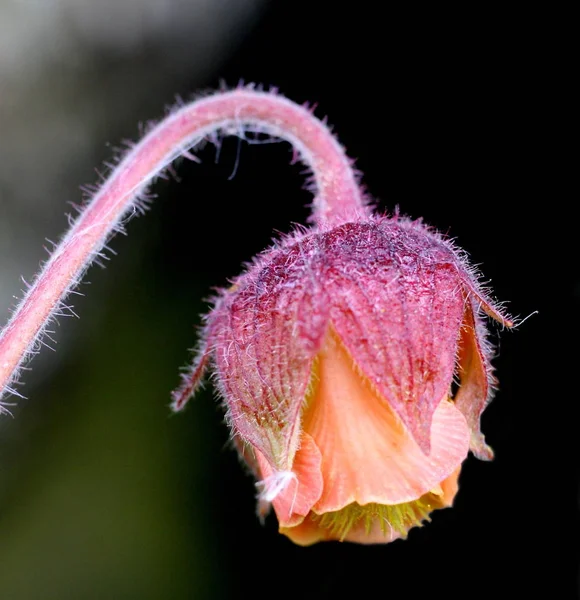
{"points": [[335, 354]]}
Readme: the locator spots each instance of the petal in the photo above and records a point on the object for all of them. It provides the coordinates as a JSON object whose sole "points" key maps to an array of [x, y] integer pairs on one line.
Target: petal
{"points": [[369, 524], [306, 533], [397, 305], [368, 455], [449, 488], [473, 393], [302, 492], [310, 531]]}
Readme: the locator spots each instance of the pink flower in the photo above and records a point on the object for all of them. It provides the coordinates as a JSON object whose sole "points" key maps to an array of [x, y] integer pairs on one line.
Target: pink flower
{"points": [[335, 354]]}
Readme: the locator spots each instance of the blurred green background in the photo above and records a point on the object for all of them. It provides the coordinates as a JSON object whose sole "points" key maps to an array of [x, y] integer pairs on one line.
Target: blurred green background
{"points": [[105, 494]]}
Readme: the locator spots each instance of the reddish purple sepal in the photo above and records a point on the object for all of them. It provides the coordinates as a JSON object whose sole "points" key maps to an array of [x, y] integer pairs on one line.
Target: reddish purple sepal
{"points": [[265, 332], [401, 298]]}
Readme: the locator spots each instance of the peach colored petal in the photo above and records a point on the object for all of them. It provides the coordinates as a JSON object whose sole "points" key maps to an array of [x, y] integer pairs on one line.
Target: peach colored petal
{"points": [[310, 532], [473, 393], [368, 455], [306, 533], [294, 502], [449, 487], [376, 535]]}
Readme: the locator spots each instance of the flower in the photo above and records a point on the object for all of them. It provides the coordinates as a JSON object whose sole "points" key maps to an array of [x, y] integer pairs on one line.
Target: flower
{"points": [[336, 354]]}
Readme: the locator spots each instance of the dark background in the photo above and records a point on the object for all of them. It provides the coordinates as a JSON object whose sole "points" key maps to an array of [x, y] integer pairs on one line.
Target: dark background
{"points": [[451, 117]]}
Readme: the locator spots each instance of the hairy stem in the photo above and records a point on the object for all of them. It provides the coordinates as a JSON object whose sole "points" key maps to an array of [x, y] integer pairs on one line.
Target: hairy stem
{"points": [[338, 197]]}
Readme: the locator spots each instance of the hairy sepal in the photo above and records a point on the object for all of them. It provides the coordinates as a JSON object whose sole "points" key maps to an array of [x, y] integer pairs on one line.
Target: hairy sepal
{"points": [[397, 306], [269, 327]]}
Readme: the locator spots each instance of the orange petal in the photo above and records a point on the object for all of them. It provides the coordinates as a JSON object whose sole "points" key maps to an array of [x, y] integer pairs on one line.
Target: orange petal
{"points": [[367, 454], [305, 533], [473, 395], [310, 532], [294, 501], [449, 488]]}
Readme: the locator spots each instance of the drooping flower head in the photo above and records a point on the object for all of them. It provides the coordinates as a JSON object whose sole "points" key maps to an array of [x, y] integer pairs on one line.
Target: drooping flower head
{"points": [[336, 353]]}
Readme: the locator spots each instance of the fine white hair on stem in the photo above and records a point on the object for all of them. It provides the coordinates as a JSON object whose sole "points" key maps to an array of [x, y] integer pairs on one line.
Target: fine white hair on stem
{"points": [[122, 195]]}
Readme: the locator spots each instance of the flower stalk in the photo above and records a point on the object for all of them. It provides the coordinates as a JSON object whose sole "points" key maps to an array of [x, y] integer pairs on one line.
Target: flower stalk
{"points": [[121, 196]]}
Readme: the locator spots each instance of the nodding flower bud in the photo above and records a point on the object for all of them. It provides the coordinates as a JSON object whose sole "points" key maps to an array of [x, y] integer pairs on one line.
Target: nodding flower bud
{"points": [[335, 354]]}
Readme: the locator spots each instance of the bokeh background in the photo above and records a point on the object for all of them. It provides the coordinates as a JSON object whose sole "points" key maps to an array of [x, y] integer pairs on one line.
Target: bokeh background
{"points": [[103, 494]]}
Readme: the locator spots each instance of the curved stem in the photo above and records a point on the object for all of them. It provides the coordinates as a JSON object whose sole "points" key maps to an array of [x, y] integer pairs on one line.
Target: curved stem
{"points": [[338, 196]]}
